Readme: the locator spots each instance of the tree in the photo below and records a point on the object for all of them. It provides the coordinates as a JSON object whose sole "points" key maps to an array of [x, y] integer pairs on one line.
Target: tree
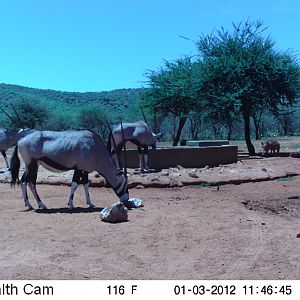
{"points": [[60, 121], [30, 114], [242, 73], [257, 117], [172, 91], [286, 121], [94, 117], [196, 123]]}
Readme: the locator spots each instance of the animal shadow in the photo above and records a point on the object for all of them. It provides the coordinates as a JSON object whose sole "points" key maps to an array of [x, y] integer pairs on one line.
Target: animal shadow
{"points": [[66, 210]]}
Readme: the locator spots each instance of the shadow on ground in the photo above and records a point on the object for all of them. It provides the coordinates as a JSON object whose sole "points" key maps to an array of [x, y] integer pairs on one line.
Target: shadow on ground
{"points": [[66, 210]]}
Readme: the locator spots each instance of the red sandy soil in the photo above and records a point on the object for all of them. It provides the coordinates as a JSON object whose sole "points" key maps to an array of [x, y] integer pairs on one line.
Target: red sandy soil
{"points": [[231, 231]]}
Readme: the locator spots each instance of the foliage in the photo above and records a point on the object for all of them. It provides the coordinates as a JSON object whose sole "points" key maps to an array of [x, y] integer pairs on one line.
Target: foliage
{"points": [[61, 121], [243, 72], [171, 87], [116, 102], [94, 117], [172, 91], [63, 108], [25, 113]]}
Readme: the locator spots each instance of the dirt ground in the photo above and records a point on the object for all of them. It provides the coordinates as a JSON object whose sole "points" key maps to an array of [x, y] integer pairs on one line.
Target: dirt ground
{"points": [[245, 231]]}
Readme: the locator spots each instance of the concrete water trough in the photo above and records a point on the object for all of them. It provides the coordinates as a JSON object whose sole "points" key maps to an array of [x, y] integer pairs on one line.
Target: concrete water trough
{"points": [[207, 143], [187, 157]]}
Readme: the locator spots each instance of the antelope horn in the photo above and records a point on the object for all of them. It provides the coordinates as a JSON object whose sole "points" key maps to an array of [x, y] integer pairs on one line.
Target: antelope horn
{"points": [[6, 114], [144, 115], [18, 116], [124, 145], [114, 142]]}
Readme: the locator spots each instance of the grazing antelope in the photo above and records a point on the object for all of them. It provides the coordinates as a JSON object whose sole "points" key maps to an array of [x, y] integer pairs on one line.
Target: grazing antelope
{"points": [[81, 150], [139, 134], [9, 138]]}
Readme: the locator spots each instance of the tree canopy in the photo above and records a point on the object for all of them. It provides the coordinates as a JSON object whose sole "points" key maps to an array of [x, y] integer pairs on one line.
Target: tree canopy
{"points": [[238, 73], [243, 72], [94, 117], [172, 90]]}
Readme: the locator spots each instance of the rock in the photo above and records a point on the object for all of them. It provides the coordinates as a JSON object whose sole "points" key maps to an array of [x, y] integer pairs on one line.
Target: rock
{"points": [[193, 174], [97, 181], [176, 174], [154, 179], [114, 213], [134, 203], [136, 171], [165, 173], [139, 187]]}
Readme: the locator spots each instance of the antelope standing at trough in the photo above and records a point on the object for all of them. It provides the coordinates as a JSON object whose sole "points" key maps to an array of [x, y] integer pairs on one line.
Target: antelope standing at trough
{"points": [[9, 138], [137, 133], [80, 150]]}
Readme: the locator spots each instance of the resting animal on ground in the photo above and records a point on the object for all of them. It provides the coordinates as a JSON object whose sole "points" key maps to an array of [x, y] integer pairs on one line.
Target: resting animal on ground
{"points": [[81, 150], [139, 134], [9, 138]]}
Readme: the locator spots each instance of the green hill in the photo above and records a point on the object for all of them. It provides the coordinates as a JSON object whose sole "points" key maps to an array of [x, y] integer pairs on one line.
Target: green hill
{"points": [[116, 102]]}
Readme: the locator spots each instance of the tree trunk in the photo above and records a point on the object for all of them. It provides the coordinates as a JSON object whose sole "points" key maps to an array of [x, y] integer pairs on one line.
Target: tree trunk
{"points": [[285, 125], [229, 132], [256, 125], [155, 123], [215, 131], [257, 133], [246, 116], [194, 129], [182, 121], [196, 134]]}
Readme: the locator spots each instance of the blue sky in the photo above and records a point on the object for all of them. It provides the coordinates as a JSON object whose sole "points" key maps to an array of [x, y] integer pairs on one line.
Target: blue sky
{"points": [[90, 45]]}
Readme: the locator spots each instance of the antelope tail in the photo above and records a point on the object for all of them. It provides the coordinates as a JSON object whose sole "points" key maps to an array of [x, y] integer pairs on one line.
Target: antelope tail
{"points": [[14, 167]]}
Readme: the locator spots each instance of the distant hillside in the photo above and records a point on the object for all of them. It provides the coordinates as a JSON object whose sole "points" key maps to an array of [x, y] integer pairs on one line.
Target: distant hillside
{"points": [[117, 102]]}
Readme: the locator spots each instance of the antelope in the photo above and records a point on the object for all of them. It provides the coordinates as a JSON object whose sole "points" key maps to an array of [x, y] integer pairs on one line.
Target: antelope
{"points": [[9, 138], [139, 134], [83, 151]]}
